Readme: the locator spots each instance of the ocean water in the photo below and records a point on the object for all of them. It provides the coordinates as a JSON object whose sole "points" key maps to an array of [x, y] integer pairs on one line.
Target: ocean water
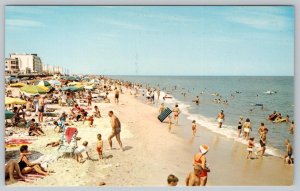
{"points": [[239, 104]]}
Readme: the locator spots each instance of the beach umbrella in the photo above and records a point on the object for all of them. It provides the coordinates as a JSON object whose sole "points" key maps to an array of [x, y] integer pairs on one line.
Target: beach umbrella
{"points": [[8, 114], [35, 89], [72, 88], [72, 78], [74, 83], [42, 83], [17, 101], [18, 85], [54, 82]]}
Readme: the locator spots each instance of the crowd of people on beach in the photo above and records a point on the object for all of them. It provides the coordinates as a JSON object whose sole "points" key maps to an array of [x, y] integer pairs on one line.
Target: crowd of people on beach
{"points": [[31, 115]]}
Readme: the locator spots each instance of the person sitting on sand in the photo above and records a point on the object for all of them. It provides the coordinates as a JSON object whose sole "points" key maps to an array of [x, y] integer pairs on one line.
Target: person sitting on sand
{"points": [[97, 112], [194, 128], [172, 180], [63, 117], [61, 126], [10, 167], [250, 147], [17, 112], [116, 129], [247, 128], [99, 146], [192, 178], [79, 150], [34, 130], [292, 128], [221, 118], [200, 159], [26, 166], [55, 143], [287, 158], [90, 120], [176, 114]]}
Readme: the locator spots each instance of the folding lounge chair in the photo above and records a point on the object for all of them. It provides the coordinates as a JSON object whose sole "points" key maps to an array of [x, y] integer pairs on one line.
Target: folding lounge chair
{"points": [[69, 142]]}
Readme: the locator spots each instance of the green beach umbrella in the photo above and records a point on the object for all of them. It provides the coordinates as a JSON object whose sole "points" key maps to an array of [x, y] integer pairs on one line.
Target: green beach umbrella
{"points": [[34, 90], [8, 114], [71, 88], [42, 83]]}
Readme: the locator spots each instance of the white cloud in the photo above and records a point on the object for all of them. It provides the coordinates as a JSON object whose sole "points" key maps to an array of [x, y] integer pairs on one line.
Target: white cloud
{"points": [[23, 23]]}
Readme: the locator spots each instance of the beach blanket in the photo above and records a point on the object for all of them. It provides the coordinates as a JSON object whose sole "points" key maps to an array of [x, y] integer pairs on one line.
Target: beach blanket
{"points": [[31, 177], [69, 133], [164, 114]]}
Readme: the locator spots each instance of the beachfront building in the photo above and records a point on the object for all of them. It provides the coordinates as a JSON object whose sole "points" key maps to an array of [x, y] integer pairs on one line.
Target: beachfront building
{"points": [[11, 66], [28, 63]]}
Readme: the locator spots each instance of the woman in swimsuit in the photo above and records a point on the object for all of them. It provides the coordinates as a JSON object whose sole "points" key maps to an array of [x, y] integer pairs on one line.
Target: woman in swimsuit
{"points": [[240, 126], [247, 128], [26, 166], [200, 159], [176, 114]]}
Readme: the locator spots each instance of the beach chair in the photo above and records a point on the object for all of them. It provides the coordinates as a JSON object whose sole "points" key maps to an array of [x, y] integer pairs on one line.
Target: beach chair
{"points": [[66, 149]]}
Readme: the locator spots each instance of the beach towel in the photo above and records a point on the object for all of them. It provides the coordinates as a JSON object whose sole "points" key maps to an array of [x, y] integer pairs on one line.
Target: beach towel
{"points": [[164, 114], [69, 133], [31, 177]]}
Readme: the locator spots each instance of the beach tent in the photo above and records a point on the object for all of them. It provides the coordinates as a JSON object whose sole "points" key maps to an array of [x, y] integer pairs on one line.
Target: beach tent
{"points": [[35, 89], [17, 101], [42, 83], [8, 114], [18, 85]]}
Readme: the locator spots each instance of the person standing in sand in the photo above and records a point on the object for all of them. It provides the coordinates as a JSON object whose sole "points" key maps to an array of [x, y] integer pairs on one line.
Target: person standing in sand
{"points": [[89, 99], [99, 146], [172, 180], [287, 158], [200, 159], [194, 128], [247, 128], [250, 148], [169, 123], [221, 118], [117, 94], [161, 108], [262, 141], [192, 179], [41, 108], [158, 94], [176, 114], [116, 129]]}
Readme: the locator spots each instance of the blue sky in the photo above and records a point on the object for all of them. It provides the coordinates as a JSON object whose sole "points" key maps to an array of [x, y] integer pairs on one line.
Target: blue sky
{"points": [[156, 40]]}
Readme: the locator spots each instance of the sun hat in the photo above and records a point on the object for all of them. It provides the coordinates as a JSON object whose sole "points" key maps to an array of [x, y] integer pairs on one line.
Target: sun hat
{"points": [[203, 148]]}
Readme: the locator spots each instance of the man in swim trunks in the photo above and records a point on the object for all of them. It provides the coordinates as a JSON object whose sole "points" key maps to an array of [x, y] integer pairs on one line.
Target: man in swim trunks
{"points": [[116, 129], [289, 152], [221, 118], [41, 108], [117, 93]]}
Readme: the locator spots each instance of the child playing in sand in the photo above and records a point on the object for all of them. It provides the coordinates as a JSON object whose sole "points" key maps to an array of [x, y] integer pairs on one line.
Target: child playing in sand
{"points": [[289, 152], [194, 128], [250, 148], [172, 180], [99, 146], [169, 123], [79, 150]]}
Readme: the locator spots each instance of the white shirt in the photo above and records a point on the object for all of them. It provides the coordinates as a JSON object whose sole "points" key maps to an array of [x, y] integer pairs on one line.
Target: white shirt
{"points": [[80, 149]]}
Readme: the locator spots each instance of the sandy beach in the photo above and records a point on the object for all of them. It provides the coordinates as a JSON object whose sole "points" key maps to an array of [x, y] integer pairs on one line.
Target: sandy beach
{"points": [[152, 153]]}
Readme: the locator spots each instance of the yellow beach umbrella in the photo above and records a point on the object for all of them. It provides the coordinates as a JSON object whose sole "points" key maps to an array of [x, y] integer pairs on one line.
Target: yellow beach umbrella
{"points": [[17, 101], [44, 87], [74, 83], [18, 85]]}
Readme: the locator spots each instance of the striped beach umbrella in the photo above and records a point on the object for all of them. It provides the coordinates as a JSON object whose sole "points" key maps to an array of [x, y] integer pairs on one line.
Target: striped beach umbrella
{"points": [[42, 83]]}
